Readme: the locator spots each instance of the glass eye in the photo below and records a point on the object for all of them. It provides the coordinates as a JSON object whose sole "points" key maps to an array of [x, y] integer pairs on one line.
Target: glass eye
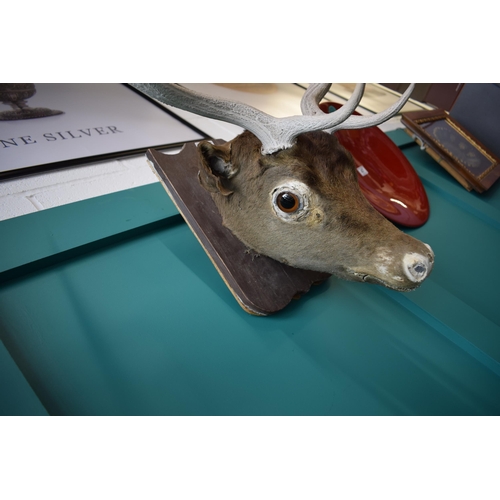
{"points": [[288, 202]]}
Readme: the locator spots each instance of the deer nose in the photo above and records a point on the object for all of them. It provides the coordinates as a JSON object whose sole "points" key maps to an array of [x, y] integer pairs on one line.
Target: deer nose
{"points": [[417, 266]]}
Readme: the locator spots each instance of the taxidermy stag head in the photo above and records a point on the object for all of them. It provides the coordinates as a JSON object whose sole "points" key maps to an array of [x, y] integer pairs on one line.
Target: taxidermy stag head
{"points": [[287, 189]]}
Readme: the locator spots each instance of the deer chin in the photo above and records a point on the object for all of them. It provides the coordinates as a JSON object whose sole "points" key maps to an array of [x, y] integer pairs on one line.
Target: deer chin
{"points": [[405, 275], [367, 278]]}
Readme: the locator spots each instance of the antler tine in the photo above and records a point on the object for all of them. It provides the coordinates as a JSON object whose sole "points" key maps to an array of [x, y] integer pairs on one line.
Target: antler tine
{"points": [[312, 97], [370, 121], [274, 133], [316, 92]]}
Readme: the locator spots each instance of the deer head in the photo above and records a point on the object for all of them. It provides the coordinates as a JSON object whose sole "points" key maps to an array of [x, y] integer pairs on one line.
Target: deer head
{"points": [[287, 189]]}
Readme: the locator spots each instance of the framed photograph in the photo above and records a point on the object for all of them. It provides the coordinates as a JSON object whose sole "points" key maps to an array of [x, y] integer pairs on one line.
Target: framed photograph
{"points": [[48, 126], [473, 165]]}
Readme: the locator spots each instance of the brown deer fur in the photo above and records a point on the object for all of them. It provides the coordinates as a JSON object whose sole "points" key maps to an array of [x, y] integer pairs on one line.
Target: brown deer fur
{"points": [[339, 232]]}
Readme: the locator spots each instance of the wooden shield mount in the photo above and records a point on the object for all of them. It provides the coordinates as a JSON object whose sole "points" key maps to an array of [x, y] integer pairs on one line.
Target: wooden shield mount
{"points": [[261, 285]]}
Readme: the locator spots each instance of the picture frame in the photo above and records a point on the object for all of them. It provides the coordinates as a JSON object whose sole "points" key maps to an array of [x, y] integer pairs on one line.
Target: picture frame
{"points": [[455, 149], [53, 126]]}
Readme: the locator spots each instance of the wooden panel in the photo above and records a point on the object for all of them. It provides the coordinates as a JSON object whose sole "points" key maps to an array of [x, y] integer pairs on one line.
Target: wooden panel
{"points": [[261, 285]]}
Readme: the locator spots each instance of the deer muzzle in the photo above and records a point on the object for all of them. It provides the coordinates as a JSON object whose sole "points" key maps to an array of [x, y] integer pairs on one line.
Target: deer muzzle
{"points": [[392, 271]]}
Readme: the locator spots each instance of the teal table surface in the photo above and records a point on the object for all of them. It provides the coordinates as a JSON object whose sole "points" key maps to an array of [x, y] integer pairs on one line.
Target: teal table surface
{"points": [[111, 307]]}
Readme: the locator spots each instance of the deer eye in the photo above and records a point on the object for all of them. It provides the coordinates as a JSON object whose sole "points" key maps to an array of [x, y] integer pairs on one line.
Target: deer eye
{"points": [[288, 202], [291, 200]]}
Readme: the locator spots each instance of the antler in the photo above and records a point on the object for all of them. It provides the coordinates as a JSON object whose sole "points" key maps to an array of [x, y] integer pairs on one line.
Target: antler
{"points": [[274, 133], [316, 91]]}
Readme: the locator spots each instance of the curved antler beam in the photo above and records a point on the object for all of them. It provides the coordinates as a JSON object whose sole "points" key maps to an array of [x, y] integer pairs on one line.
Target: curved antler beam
{"points": [[274, 133], [316, 91], [312, 97]]}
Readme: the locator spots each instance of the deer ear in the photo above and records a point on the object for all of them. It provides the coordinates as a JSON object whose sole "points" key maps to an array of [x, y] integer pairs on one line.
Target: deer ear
{"points": [[216, 167]]}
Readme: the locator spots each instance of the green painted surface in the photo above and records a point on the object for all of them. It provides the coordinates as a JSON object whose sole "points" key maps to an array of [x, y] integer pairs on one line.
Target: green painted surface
{"points": [[400, 138], [145, 325], [26, 240], [16, 396]]}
